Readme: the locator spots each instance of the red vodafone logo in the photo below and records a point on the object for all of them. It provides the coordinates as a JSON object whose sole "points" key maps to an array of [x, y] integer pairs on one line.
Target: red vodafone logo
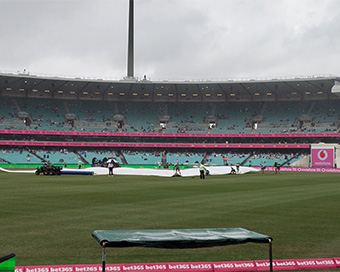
{"points": [[322, 155]]}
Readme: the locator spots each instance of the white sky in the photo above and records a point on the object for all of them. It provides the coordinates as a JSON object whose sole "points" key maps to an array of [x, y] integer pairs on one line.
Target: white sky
{"points": [[174, 39]]}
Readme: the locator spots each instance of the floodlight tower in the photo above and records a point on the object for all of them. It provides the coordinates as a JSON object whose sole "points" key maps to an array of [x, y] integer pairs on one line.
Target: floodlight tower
{"points": [[130, 42]]}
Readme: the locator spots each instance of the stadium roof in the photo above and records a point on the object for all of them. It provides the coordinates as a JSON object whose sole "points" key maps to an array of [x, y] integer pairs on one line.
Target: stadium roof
{"points": [[289, 89]]}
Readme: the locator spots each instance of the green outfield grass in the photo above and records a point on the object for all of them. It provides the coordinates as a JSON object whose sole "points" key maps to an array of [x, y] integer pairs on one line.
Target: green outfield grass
{"points": [[48, 220]]}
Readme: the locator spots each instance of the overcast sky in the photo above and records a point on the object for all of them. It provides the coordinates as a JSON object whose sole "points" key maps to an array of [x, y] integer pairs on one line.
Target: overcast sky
{"points": [[174, 39]]}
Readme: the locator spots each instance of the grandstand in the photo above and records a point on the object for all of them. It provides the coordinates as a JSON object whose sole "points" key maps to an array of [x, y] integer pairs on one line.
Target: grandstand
{"points": [[143, 122]]}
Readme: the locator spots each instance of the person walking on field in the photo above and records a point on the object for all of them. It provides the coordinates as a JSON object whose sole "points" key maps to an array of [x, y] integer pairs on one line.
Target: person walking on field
{"points": [[177, 169], [202, 171], [277, 168], [110, 166], [262, 168]]}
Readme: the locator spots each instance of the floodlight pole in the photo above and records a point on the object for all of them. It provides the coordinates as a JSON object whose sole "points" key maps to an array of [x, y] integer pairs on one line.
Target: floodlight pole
{"points": [[131, 41]]}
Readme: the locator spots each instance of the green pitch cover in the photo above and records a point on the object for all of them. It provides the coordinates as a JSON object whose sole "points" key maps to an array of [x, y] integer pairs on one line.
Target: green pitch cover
{"points": [[183, 238], [7, 263]]}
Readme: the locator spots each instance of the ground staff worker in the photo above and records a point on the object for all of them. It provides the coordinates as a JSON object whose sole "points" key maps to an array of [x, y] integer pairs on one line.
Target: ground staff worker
{"points": [[202, 171], [110, 166]]}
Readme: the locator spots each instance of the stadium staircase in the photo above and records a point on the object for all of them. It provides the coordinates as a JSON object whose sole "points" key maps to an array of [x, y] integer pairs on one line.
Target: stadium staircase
{"points": [[288, 161], [83, 160], [257, 119], [67, 108], [19, 156], [4, 160], [246, 159], [303, 161], [305, 119], [36, 155], [121, 156], [263, 108], [116, 108], [164, 158], [310, 109], [205, 158], [16, 105]]}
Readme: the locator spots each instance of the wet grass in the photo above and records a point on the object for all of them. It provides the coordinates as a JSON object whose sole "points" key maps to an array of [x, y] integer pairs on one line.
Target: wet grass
{"points": [[48, 220]]}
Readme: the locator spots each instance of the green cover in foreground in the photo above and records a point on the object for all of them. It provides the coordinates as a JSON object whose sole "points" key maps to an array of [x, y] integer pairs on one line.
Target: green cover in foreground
{"points": [[7, 263], [181, 238]]}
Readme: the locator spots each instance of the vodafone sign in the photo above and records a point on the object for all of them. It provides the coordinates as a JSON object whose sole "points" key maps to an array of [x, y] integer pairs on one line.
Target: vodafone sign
{"points": [[323, 157]]}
